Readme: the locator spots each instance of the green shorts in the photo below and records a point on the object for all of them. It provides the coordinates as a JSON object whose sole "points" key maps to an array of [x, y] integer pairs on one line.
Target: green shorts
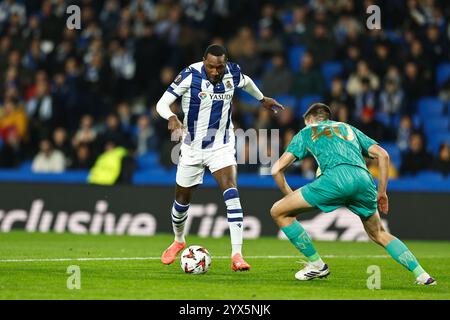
{"points": [[343, 186]]}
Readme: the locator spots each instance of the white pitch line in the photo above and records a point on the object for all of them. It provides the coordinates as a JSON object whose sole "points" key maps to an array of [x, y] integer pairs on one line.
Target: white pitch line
{"points": [[157, 258]]}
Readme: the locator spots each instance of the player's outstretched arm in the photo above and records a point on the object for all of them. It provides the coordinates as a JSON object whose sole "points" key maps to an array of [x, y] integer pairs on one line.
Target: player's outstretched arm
{"points": [[163, 108], [268, 103], [278, 169], [377, 152]]}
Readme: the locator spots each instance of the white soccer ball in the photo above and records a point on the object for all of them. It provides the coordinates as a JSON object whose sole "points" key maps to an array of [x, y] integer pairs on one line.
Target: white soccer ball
{"points": [[195, 260]]}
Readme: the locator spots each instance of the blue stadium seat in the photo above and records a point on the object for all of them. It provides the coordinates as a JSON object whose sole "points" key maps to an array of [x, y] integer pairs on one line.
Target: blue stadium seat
{"points": [[442, 73], [429, 176], [330, 69], [394, 153], [26, 166], [430, 106], [383, 118], [286, 100], [304, 103], [435, 125], [436, 140], [148, 160], [247, 99], [295, 55]]}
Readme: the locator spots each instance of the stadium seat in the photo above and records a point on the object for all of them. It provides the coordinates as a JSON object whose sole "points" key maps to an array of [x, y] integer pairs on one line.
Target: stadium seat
{"points": [[286, 100], [247, 99], [304, 103], [26, 166], [383, 118], [148, 160], [435, 125], [295, 55], [430, 106], [429, 176], [330, 70], [436, 140], [442, 73], [394, 153]]}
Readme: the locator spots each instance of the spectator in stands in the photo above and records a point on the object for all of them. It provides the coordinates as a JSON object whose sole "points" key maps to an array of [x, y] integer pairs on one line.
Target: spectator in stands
{"points": [[338, 95], [342, 113], [125, 117], [86, 134], [61, 143], [404, 132], [158, 85], [13, 118], [297, 29], [417, 55], [112, 132], [108, 166], [83, 157], [145, 137], [444, 92], [268, 43], [249, 60], [417, 158], [382, 59], [442, 163], [308, 80], [349, 63], [365, 99], [414, 84], [123, 66], [392, 99], [110, 16], [43, 113], [370, 126], [48, 160], [436, 46], [374, 169], [278, 79], [269, 19], [321, 45], [355, 82]]}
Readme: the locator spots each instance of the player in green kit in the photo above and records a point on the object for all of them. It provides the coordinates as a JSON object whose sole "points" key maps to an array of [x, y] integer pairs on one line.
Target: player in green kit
{"points": [[343, 181]]}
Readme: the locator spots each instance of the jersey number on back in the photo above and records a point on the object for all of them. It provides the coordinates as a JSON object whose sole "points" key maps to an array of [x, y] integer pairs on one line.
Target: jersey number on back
{"points": [[326, 132]]}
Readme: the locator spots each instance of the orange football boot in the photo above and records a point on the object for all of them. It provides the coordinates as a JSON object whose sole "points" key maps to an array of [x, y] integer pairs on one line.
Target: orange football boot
{"points": [[239, 264], [171, 252]]}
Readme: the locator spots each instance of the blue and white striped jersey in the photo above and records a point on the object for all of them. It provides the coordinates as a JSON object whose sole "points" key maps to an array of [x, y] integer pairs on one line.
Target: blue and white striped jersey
{"points": [[207, 107]]}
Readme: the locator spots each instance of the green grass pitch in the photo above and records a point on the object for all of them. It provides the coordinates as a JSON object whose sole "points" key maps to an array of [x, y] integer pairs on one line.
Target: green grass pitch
{"points": [[34, 266]]}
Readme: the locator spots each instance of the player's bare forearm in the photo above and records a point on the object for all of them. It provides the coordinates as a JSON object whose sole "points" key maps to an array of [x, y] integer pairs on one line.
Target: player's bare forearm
{"points": [[281, 182], [278, 172], [382, 156]]}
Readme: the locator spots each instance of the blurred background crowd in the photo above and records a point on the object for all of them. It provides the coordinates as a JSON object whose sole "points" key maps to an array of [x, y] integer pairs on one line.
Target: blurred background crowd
{"points": [[68, 97]]}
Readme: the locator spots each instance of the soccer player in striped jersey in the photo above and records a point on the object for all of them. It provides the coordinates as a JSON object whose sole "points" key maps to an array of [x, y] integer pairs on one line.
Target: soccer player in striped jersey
{"points": [[343, 181], [206, 90]]}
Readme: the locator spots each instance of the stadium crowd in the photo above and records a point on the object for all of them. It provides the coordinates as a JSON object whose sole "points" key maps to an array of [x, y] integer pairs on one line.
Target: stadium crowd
{"points": [[68, 96]]}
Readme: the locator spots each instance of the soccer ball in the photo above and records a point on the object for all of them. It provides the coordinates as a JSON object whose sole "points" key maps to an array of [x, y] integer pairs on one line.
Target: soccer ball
{"points": [[195, 259]]}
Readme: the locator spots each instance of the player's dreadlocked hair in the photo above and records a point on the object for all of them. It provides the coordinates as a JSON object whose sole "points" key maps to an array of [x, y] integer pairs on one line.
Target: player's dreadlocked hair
{"points": [[319, 111], [216, 50]]}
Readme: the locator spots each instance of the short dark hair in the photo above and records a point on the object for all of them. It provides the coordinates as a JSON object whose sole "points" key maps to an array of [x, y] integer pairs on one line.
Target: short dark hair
{"points": [[216, 50], [320, 111]]}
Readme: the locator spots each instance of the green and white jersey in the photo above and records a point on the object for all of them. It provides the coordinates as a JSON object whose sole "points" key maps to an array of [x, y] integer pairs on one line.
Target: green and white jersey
{"points": [[331, 143]]}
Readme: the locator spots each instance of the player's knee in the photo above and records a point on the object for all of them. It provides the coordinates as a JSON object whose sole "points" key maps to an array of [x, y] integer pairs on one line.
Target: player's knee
{"points": [[274, 211]]}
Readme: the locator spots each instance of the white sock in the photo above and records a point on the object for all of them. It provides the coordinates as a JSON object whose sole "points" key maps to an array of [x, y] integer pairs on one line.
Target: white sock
{"points": [[235, 217], [318, 263], [423, 277], [179, 216]]}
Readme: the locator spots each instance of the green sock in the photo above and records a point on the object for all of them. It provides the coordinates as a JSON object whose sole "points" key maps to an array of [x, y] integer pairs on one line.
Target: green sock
{"points": [[301, 240], [400, 252]]}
